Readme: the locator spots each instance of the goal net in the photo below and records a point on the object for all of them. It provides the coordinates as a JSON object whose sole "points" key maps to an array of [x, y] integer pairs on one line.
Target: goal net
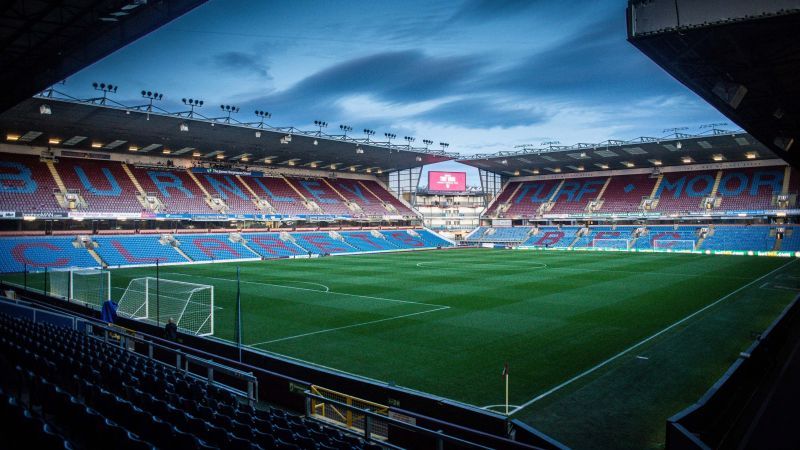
{"points": [[620, 244], [90, 286], [674, 244], [158, 300]]}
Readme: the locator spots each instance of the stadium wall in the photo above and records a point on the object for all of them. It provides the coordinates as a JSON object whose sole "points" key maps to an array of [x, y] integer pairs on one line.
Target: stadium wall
{"points": [[724, 414]]}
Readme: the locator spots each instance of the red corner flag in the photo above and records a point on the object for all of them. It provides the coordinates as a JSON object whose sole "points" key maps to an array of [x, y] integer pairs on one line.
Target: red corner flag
{"points": [[505, 369]]}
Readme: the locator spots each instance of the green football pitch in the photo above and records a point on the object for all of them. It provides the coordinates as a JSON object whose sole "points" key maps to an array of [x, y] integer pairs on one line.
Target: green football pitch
{"points": [[602, 346]]}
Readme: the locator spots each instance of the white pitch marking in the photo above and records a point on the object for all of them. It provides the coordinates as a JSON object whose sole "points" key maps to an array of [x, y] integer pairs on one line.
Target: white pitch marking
{"points": [[642, 357], [311, 290], [642, 342], [348, 326]]}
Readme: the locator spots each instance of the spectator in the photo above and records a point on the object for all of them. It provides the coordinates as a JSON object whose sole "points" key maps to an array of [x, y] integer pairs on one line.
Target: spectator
{"points": [[171, 330]]}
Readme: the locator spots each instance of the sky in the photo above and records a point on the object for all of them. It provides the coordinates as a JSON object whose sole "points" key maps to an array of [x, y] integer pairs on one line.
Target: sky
{"points": [[482, 75]]}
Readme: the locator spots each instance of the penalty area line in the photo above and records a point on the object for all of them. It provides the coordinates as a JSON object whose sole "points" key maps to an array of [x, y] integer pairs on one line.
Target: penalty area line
{"points": [[328, 330], [643, 341]]}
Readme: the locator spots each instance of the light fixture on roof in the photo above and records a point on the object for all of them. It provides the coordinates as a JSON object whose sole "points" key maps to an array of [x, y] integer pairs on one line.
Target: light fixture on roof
{"points": [[184, 127], [629, 164], [516, 173], [504, 162], [221, 156], [359, 150], [45, 110], [345, 129], [245, 159], [133, 148], [369, 133], [604, 166], [419, 159], [316, 142], [258, 134], [751, 155], [718, 157], [166, 151], [536, 171], [313, 165], [679, 145], [657, 162], [369, 170], [583, 155], [192, 103], [389, 136], [12, 137], [686, 159], [320, 124], [581, 168], [263, 115], [409, 139], [286, 139], [54, 141], [105, 89], [427, 142], [444, 145], [96, 145], [291, 163], [557, 170], [352, 169]]}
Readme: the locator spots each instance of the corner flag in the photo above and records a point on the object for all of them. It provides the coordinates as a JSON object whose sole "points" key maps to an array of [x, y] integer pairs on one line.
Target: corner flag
{"points": [[505, 377]]}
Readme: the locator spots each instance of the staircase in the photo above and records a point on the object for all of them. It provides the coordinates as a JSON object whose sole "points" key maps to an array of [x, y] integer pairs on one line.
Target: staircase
{"points": [[156, 205], [215, 203], [716, 184], [56, 177], [787, 172], [168, 239], [67, 199], [261, 203]]}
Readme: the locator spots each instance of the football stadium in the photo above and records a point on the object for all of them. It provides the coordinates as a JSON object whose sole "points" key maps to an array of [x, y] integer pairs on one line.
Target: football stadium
{"points": [[186, 276]]}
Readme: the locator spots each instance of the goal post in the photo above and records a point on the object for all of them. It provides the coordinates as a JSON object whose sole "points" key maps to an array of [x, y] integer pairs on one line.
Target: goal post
{"points": [[618, 244], [90, 286], [157, 300], [674, 244]]}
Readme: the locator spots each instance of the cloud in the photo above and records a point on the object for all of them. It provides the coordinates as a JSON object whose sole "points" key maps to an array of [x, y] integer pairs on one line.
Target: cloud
{"points": [[596, 64], [247, 63], [481, 113], [489, 9], [393, 78]]}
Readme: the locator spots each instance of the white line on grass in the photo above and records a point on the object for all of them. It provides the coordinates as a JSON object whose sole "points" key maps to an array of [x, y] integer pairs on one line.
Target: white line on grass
{"points": [[306, 289], [328, 330], [642, 342]]}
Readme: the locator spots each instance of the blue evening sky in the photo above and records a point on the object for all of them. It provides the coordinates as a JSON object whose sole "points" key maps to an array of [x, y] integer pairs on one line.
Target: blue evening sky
{"points": [[483, 75]]}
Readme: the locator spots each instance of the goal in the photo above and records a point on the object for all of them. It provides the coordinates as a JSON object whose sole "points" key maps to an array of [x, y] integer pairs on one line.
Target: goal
{"points": [[619, 244], [674, 245], [90, 286], [158, 300]]}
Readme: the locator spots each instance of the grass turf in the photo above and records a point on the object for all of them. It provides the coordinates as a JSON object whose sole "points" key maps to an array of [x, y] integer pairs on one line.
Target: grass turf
{"points": [[444, 322]]}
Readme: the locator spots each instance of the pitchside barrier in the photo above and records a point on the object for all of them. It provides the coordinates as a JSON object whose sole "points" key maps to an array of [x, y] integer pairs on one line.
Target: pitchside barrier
{"points": [[668, 250], [284, 382]]}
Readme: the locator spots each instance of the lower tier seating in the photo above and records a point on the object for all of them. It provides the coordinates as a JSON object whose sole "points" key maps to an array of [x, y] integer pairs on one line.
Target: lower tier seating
{"points": [[40, 253], [64, 389]]}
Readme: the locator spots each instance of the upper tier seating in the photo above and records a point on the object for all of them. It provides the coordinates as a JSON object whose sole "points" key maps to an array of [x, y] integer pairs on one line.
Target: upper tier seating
{"points": [[40, 253], [26, 185], [530, 196], [385, 196], [279, 194], [502, 198], [575, 195], [624, 193], [355, 192], [684, 191], [317, 190], [61, 388], [230, 190], [750, 189], [179, 193], [103, 184]]}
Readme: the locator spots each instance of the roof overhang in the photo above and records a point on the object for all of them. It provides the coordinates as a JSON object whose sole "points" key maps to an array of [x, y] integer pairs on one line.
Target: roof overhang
{"points": [[741, 56]]}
